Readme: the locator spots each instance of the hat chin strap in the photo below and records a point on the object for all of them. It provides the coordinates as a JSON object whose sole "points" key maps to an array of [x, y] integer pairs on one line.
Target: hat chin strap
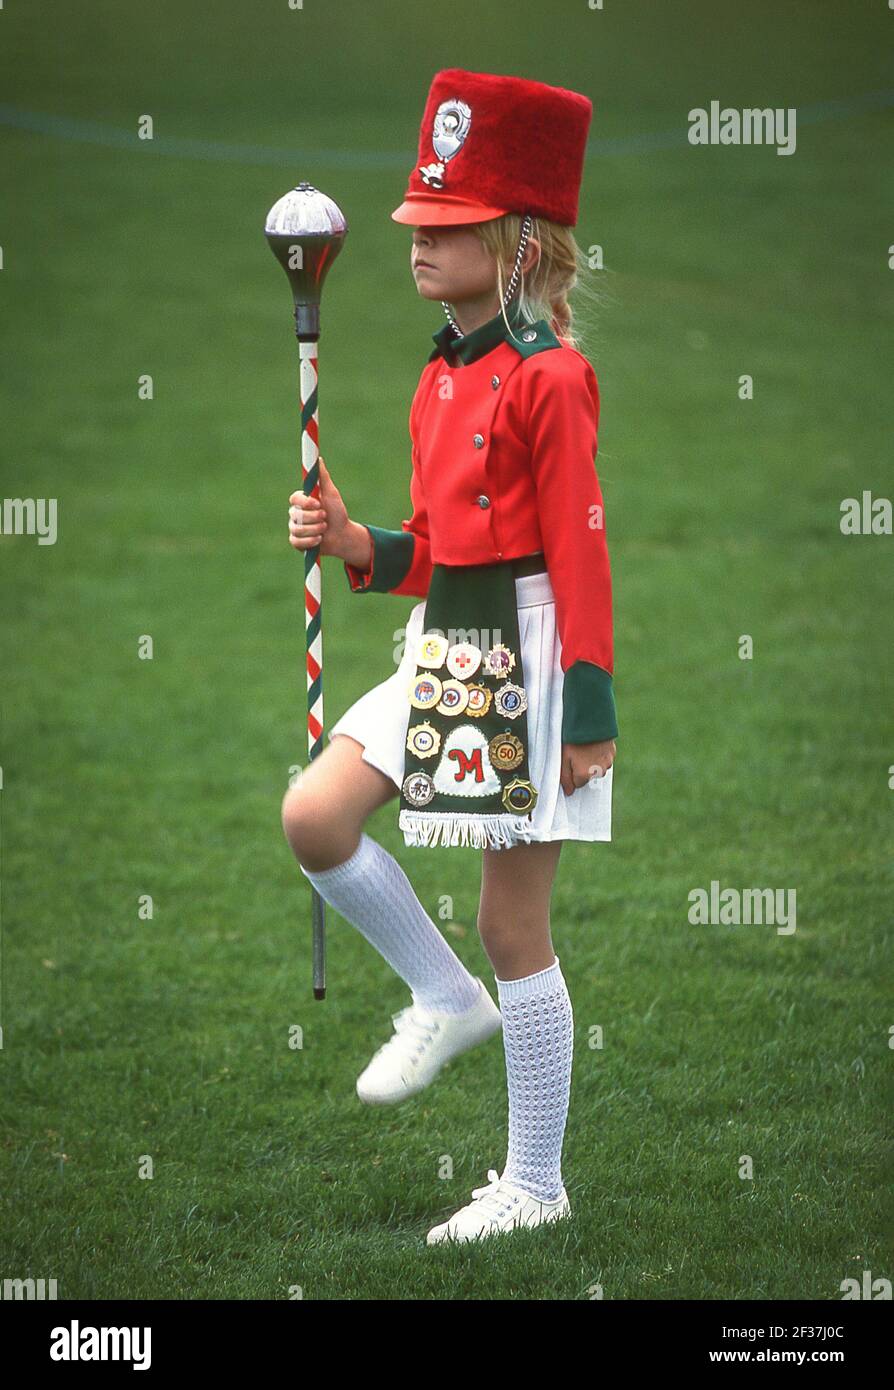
{"points": [[526, 229]]}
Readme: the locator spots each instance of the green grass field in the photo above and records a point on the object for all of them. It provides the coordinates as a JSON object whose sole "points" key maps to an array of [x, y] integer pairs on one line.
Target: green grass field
{"points": [[169, 1037]]}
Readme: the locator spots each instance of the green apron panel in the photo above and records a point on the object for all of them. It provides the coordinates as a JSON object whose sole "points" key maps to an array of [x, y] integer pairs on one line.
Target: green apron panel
{"points": [[466, 777]]}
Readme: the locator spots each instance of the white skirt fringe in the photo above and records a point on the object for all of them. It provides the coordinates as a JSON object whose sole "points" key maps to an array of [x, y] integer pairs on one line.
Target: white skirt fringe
{"points": [[380, 718]]}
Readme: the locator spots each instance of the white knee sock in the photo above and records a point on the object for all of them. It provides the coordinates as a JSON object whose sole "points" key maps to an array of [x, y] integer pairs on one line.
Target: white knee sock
{"points": [[371, 890], [538, 1039]]}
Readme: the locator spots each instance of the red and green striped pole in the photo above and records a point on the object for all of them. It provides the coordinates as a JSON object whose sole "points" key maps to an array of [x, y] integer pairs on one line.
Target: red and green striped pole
{"points": [[306, 231]]}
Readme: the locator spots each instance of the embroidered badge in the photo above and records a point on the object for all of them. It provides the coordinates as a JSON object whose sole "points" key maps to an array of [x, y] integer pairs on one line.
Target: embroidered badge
{"points": [[418, 788], [510, 700], [465, 768], [449, 130], [506, 751], [463, 660], [425, 691], [431, 650], [479, 700], [499, 660], [423, 740], [519, 796]]}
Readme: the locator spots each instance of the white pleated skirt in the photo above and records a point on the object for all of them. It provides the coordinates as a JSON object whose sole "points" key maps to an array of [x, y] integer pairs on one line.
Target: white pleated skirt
{"points": [[380, 718]]}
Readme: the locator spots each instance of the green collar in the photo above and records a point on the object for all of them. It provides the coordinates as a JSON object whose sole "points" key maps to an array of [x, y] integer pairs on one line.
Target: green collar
{"points": [[480, 341]]}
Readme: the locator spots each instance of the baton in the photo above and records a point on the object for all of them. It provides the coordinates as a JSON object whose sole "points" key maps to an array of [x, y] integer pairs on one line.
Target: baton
{"points": [[305, 231]]}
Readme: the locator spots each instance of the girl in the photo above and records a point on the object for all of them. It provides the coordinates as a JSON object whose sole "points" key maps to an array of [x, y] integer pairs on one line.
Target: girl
{"points": [[505, 742]]}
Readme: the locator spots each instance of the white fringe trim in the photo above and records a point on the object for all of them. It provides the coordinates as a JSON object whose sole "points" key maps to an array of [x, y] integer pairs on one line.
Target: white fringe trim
{"points": [[428, 828]]}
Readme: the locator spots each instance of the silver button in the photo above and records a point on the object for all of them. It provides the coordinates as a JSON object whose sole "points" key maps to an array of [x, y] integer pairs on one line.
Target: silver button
{"points": [[483, 501], [495, 381], [529, 336], [478, 441]]}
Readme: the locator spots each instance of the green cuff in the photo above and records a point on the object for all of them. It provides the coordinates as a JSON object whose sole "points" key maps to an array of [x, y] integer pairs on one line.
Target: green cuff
{"points": [[588, 705], [391, 561]]}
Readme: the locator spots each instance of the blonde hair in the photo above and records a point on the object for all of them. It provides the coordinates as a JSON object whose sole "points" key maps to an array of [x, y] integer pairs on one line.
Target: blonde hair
{"points": [[544, 289]]}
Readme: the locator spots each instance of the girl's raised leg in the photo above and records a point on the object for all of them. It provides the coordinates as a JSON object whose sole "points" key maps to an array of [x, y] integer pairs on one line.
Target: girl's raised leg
{"points": [[323, 819]]}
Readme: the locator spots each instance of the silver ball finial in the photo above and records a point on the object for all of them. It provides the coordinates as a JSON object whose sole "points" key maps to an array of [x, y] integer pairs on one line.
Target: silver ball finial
{"points": [[306, 231]]}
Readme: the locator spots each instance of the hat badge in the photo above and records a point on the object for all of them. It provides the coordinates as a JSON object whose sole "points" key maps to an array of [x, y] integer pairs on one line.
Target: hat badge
{"points": [[449, 130]]}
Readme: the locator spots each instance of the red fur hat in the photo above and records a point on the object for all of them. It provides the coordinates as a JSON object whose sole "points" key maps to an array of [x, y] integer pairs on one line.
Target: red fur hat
{"points": [[490, 145]]}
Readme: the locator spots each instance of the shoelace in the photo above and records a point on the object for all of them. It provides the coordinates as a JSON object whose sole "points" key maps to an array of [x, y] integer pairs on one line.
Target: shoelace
{"points": [[412, 1020], [493, 1198]]}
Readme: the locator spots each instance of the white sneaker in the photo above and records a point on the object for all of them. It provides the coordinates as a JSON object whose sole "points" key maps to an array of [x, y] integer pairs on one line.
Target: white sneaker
{"points": [[424, 1040], [501, 1206]]}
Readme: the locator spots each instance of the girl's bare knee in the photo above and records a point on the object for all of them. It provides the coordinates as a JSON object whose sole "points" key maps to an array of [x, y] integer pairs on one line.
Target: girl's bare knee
{"points": [[324, 813], [293, 817], [516, 944], [321, 831], [308, 826], [497, 937]]}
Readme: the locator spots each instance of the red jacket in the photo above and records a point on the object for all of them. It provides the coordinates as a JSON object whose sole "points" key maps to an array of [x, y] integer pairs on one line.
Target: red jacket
{"points": [[503, 445]]}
